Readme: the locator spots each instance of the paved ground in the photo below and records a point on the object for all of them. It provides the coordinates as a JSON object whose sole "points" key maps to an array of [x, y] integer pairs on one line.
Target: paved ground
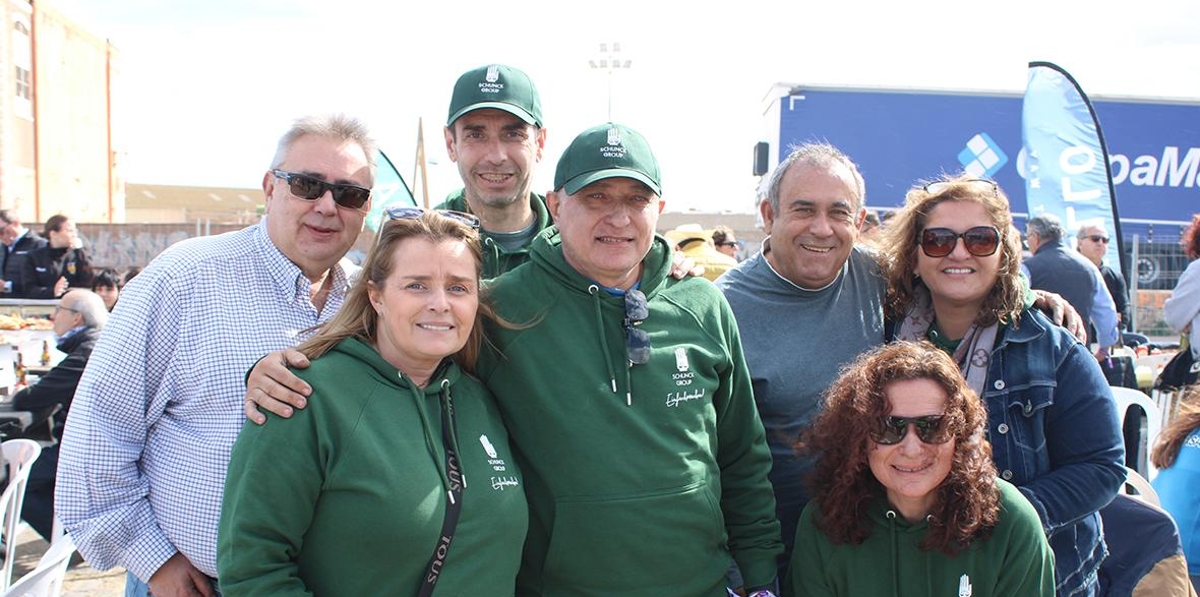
{"points": [[81, 581]]}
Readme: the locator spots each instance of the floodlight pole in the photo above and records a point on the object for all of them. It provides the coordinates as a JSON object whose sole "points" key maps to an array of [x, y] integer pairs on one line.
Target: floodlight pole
{"points": [[610, 59]]}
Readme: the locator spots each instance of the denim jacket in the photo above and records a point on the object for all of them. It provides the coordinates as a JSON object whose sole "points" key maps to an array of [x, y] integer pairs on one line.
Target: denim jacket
{"points": [[1053, 426]]}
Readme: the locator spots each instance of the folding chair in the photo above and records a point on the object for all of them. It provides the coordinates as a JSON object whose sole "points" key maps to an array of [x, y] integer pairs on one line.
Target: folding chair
{"points": [[47, 579], [1141, 435], [19, 454]]}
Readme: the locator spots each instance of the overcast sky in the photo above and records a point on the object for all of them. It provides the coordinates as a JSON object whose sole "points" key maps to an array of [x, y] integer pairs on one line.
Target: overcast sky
{"points": [[205, 89]]}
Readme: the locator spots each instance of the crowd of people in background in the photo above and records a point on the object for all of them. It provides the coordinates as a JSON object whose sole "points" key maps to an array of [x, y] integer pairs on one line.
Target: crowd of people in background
{"points": [[533, 394]]}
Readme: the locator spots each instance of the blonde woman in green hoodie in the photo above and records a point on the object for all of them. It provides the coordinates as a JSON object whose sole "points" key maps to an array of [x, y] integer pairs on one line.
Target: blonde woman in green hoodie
{"points": [[399, 478]]}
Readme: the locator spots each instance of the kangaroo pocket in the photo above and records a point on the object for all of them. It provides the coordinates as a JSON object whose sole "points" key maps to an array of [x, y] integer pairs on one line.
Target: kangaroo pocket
{"points": [[670, 541]]}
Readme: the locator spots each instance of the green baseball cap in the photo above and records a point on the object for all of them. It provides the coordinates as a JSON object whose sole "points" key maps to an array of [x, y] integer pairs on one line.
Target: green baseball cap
{"points": [[607, 151], [496, 86]]}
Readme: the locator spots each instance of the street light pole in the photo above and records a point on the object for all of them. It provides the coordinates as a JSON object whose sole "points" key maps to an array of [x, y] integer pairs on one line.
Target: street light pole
{"points": [[610, 59]]}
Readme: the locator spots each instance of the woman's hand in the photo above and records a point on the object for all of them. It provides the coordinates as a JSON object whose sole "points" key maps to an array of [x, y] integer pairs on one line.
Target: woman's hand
{"points": [[273, 387]]}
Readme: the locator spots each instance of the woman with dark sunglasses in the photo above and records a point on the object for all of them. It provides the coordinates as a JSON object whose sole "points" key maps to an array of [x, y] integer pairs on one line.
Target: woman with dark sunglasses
{"points": [[402, 478], [905, 496], [952, 263]]}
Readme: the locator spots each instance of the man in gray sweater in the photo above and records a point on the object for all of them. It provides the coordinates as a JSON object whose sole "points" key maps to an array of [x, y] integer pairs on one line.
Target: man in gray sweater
{"points": [[809, 303]]}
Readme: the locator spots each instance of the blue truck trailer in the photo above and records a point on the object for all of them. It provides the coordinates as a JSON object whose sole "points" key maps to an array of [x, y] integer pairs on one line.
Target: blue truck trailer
{"points": [[901, 136]]}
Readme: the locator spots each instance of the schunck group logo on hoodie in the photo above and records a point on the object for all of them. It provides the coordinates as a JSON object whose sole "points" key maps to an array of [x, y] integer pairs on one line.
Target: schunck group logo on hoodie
{"points": [[499, 482], [964, 586], [683, 378]]}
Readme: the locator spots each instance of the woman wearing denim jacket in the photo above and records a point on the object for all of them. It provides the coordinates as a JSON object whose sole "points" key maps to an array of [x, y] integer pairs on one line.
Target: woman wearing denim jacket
{"points": [[953, 259]]}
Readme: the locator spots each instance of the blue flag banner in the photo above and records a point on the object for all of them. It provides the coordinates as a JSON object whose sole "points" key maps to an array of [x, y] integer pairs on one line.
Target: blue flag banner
{"points": [[1067, 171], [390, 189]]}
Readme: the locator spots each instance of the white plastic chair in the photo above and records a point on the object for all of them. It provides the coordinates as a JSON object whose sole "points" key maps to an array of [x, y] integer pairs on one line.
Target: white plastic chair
{"points": [[1127, 398], [1141, 487], [47, 579], [19, 454]]}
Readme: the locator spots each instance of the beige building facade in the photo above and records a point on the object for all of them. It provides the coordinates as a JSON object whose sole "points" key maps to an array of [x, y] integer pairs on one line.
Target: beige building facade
{"points": [[57, 152]]}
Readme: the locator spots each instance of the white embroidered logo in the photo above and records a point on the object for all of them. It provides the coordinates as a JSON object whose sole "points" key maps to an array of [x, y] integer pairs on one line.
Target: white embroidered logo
{"points": [[490, 83], [684, 376], [676, 398], [964, 586], [488, 447], [614, 136], [681, 362]]}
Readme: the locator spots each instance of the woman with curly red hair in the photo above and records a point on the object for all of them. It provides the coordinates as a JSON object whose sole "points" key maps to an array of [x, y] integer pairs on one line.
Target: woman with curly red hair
{"points": [[906, 498]]}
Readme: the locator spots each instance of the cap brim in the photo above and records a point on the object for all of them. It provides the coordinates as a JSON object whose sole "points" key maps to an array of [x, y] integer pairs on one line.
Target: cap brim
{"points": [[511, 109], [572, 186]]}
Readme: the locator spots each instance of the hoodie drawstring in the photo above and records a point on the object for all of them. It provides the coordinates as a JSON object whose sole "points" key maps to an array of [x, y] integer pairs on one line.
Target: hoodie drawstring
{"points": [[891, 516], [612, 376]]}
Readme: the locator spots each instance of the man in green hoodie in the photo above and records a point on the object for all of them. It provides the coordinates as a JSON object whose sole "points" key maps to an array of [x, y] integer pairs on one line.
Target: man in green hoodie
{"points": [[494, 133], [626, 397], [626, 393]]}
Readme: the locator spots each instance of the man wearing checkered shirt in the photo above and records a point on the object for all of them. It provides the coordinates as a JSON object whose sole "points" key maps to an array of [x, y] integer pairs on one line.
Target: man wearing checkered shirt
{"points": [[157, 411]]}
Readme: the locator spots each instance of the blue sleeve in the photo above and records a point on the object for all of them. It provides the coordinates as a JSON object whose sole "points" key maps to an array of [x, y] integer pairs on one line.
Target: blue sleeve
{"points": [[1104, 312]]}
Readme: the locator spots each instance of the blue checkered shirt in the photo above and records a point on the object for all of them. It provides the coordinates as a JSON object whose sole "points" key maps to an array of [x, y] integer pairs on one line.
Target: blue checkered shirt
{"points": [[142, 467]]}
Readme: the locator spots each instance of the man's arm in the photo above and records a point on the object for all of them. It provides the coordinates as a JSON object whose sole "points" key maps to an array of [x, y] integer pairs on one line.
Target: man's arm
{"points": [[1184, 304], [102, 495], [1104, 312], [30, 281], [56, 387], [271, 386]]}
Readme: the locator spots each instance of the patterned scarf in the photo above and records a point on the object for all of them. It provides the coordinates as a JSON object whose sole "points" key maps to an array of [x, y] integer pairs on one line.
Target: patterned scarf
{"points": [[974, 352]]}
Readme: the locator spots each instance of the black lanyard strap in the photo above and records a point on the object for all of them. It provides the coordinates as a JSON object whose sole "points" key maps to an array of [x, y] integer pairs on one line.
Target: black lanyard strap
{"points": [[453, 508]]}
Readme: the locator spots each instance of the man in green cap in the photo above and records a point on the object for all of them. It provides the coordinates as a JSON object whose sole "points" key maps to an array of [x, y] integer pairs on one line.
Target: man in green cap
{"points": [[626, 397], [625, 392], [494, 133]]}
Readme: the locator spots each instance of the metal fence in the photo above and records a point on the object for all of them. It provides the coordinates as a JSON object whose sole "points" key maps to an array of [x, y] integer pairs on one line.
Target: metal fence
{"points": [[1159, 263]]}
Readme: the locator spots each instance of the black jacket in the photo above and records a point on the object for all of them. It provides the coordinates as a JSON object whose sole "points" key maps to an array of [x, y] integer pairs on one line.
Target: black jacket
{"points": [[57, 386], [13, 269], [44, 266]]}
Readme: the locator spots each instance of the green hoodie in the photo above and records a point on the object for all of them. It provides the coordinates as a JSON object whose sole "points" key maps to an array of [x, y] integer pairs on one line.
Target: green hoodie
{"points": [[1014, 561], [497, 260], [349, 497], [642, 480]]}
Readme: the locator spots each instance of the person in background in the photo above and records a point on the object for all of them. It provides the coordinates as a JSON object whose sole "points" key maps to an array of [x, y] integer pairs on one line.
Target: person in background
{"points": [[1182, 309], [61, 264], [18, 241], [494, 134], [107, 284], [953, 270], [78, 320], [145, 452], [1177, 457], [130, 273], [374, 469], [1055, 267], [694, 243], [725, 241], [868, 230], [1092, 242], [905, 488]]}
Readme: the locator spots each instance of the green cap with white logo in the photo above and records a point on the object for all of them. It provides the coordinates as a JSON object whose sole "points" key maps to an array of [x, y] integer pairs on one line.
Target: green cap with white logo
{"points": [[496, 86], [607, 151]]}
